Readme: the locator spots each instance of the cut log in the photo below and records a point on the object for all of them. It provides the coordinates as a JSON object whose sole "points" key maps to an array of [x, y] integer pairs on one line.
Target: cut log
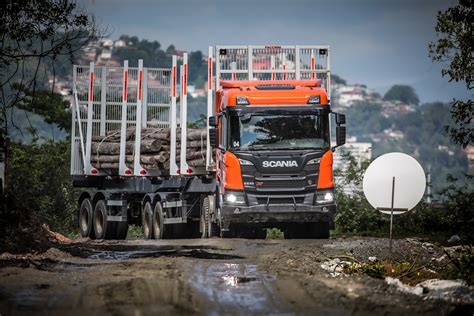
{"points": [[110, 148]]}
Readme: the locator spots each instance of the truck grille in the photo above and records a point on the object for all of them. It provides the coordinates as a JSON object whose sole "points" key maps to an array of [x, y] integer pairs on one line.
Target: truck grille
{"points": [[268, 184]]}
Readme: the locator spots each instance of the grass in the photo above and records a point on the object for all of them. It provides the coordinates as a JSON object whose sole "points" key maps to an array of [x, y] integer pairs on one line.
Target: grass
{"points": [[134, 232], [274, 233]]}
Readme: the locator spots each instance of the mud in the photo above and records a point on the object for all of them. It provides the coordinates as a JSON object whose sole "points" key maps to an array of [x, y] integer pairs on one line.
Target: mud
{"points": [[209, 276]]}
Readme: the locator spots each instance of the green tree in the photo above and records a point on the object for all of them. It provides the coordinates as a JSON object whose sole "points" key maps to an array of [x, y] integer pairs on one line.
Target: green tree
{"points": [[454, 48], [35, 34], [50, 105], [402, 93]]}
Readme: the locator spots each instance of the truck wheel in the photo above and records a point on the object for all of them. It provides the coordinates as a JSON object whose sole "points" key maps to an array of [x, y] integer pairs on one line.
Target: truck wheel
{"points": [[103, 229], [321, 230], [121, 230], [147, 218], [159, 228], [253, 233], [86, 215], [205, 222]]}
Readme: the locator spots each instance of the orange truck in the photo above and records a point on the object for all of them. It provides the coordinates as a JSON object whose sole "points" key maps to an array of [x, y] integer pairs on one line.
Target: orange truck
{"points": [[268, 150]]}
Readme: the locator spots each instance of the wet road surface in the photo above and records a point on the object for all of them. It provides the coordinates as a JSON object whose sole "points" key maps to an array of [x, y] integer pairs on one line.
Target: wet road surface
{"points": [[200, 276]]}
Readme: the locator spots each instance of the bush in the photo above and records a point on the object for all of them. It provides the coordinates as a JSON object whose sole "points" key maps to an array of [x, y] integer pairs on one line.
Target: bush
{"points": [[39, 182]]}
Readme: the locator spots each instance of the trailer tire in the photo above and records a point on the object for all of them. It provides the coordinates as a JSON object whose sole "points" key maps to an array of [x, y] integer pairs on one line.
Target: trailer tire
{"points": [[121, 230], [205, 225], [103, 229], [147, 220], [86, 215], [158, 226]]}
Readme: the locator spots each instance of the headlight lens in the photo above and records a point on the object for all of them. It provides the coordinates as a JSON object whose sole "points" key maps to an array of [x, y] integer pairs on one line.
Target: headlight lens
{"points": [[234, 198], [315, 99], [244, 162], [242, 100], [314, 161], [324, 197]]}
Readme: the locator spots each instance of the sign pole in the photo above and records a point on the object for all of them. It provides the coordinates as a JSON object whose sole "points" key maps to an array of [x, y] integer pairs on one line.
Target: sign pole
{"points": [[391, 213]]}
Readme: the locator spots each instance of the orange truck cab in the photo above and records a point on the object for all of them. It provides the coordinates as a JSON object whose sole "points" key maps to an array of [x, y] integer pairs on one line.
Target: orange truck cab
{"points": [[273, 157]]}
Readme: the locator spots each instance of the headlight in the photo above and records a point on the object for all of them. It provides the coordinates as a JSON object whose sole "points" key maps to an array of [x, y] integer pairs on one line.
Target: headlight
{"points": [[241, 100], [315, 99], [244, 162], [324, 197], [234, 198], [314, 161]]}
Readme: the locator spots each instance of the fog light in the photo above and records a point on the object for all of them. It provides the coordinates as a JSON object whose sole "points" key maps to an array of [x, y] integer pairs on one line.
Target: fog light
{"points": [[231, 198], [234, 198], [324, 197]]}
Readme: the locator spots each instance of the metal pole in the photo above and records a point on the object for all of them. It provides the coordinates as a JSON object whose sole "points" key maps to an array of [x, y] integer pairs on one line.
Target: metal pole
{"points": [[391, 213]]}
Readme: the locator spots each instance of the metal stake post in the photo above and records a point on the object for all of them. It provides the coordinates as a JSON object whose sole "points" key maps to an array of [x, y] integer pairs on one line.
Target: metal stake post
{"points": [[391, 213]]}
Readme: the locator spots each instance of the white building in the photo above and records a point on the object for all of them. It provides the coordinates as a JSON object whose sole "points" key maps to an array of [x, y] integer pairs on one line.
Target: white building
{"points": [[360, 151]]}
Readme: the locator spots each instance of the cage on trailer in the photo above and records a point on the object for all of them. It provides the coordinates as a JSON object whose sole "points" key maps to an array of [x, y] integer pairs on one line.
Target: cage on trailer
{"points": [[122, 101]]}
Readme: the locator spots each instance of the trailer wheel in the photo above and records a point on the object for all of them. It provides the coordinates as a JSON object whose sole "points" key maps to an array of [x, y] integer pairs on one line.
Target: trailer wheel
{"points": [[103, 229], [121, 230], [147, 218], [205, 225], [86, 214], [159, 228]]}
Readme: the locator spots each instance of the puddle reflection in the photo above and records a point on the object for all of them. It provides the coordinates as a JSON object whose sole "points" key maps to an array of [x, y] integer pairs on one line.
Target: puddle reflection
{"points": [[235, 287]]}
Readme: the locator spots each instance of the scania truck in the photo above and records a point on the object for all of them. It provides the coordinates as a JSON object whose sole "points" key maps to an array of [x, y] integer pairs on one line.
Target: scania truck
{"points": [[268, 148]]}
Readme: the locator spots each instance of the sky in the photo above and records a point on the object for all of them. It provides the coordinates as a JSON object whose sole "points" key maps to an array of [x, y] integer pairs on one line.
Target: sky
{"points": [[374, 42]]}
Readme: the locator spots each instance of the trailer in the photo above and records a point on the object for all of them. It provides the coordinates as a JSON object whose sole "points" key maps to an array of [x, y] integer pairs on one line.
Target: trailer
{"points": [[248, 183]]}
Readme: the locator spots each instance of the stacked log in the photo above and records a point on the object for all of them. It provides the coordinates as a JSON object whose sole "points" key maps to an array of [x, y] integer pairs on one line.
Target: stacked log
{"points": [[154, 148]]}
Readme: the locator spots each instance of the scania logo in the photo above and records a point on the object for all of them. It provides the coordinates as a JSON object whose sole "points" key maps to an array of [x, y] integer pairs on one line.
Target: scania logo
{"points": [[275, 164]]}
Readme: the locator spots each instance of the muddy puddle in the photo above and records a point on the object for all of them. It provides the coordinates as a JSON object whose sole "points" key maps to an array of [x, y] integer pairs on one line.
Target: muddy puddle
{"points": [[236, 288]]}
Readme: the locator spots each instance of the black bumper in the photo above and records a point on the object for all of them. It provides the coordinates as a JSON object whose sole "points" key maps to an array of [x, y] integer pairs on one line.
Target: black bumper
{"points": [[275, 214]]}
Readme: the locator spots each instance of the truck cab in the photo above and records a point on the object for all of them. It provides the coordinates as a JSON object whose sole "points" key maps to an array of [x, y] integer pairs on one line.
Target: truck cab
{"points": [[274, 157]]}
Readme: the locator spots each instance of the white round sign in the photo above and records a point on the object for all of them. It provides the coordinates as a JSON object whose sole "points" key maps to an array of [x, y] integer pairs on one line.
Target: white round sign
{"points": [[410, 183]]}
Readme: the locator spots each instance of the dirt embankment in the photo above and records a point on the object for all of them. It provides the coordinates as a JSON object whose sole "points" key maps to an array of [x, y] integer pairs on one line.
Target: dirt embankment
{"points": [[217, 276]]}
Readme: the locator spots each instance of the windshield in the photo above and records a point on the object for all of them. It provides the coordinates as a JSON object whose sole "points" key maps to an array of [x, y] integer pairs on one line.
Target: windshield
{"points": [[279, 132]]}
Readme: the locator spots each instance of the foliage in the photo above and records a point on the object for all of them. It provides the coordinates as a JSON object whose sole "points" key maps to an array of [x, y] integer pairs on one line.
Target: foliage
{"points": [[136, 49], [35, 35], [355, 215], [403, 93], [462, 265], [366, 119], [424, 137], [50, 105], [38, 179], [274, 233], [454, 47]]}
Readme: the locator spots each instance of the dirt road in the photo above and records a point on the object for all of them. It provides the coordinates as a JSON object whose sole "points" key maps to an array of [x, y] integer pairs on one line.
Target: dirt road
{"points": [[207, 276]]}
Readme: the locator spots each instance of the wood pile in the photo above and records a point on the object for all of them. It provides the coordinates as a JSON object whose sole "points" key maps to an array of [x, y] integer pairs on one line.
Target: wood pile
{"points": [[154, 150]]}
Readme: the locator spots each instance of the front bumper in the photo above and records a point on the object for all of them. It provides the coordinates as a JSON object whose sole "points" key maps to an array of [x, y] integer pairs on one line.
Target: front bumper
{"points": [[276, 214]]}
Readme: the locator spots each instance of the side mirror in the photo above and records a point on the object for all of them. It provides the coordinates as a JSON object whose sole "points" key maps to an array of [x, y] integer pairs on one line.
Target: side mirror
{"points": [[340, 119], [213, 136], [340, 135], [213, 121]]}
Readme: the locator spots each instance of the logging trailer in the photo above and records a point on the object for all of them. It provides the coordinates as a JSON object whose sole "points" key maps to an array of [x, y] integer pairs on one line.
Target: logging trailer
{"points": [[268, 153]]}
